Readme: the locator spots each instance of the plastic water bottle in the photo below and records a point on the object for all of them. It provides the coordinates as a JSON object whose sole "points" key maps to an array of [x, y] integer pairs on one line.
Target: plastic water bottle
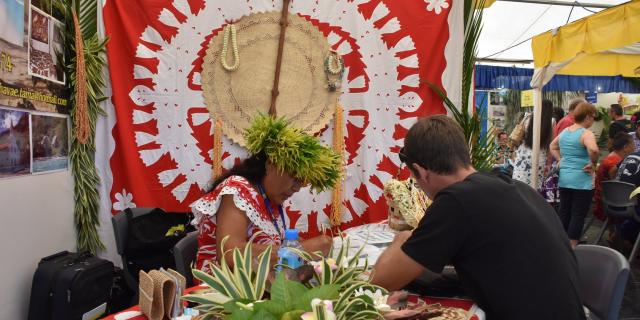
{"points": [[285, 255]]}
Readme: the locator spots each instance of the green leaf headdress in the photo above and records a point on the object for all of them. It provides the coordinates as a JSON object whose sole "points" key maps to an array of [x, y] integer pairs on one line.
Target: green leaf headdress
{"points": [[293, 151]]}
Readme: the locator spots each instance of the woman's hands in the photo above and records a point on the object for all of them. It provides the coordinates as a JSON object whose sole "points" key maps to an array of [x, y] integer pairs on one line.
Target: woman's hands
{"points": [[320, 243]]}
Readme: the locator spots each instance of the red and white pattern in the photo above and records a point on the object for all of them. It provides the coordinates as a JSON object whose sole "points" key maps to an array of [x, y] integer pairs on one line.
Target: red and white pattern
{"points": [[245, 198], [162, 130]]}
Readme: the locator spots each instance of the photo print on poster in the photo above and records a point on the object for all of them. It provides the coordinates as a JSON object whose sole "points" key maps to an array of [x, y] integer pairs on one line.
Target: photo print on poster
{"points": [[43, 91], [15, 148], [12, 21], [50, 142], [45, 43]]}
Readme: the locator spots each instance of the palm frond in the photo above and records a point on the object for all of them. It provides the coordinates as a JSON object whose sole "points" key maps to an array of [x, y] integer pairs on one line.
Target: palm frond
{"points": [[82, 155], [88, 17]]}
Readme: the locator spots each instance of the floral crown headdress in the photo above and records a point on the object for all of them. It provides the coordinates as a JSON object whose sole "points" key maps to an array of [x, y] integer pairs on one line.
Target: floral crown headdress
{"points": [[293, 151]]}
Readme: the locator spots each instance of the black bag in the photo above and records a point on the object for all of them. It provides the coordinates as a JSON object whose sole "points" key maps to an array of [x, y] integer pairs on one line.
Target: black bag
{"points": [[151, 239], [68, 285], [121, 295]]}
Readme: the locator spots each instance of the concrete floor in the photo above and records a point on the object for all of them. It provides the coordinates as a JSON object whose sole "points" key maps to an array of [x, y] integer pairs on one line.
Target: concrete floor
{"points": [[631, 304]]}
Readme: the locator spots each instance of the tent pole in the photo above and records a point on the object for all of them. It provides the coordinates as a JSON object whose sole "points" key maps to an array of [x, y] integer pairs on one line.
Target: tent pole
{"points": [[537, 115], [563, 3]]}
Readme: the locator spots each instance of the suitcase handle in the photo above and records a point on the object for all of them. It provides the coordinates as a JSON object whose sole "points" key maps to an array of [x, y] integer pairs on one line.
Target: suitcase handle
{"points": [[54, 256], [81, 256]]}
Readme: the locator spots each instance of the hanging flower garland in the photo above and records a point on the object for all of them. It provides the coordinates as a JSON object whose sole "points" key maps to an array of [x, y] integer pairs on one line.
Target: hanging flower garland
{"points": [[230, 32]]}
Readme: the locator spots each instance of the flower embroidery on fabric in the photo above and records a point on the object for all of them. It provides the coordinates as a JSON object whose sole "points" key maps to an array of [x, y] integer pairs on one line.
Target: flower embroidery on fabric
{"points": [[124, 201], [437, 5]]}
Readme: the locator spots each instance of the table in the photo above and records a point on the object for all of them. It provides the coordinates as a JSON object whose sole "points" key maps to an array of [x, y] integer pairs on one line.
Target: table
{"points": [[133, 313], [374, 237]]}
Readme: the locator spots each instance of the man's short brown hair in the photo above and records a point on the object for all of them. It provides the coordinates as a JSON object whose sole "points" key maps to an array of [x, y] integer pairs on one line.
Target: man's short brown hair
{"points": [[436, 143], [583, 110], [574, 103]]}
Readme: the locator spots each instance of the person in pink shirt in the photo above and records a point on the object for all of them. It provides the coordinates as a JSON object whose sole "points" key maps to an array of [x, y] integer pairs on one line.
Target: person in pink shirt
{"points": [[567, 121]]}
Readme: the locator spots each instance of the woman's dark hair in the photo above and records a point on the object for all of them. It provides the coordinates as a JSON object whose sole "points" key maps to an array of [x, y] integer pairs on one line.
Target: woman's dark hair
{"points": [[252, 169], [620, 140], [546, 132], [558, 113]]}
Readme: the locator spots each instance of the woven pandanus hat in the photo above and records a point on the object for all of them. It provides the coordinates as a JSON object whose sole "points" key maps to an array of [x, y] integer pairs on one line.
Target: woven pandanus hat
{"points": [[235, 97]]}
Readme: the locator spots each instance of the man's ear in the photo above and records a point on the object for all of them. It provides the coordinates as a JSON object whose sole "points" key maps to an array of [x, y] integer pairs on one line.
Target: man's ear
{"points": [[419, 170]]}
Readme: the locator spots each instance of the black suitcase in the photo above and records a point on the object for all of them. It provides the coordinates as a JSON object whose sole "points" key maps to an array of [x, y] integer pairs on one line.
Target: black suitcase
{"points": [[67, 285]]}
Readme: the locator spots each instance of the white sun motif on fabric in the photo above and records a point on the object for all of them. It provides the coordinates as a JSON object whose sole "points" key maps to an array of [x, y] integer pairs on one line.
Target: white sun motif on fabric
{"points": [[437, 5], [176, 107], [124, 200]]}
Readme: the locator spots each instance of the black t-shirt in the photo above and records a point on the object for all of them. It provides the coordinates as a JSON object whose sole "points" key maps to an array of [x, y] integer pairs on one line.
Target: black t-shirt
{"points": [[616, 126], [507, 245]]}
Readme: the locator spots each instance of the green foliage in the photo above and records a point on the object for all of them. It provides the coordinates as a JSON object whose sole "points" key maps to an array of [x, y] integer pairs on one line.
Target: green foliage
{"points": [[292, 151], [83, 167], [236, 294]]}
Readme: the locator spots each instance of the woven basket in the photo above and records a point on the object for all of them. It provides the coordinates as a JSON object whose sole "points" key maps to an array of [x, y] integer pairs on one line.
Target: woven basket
{"points": [[157, 292]]}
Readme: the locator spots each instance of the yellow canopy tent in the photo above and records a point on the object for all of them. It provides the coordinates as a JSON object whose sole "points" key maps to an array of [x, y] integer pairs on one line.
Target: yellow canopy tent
{"points": [[604, 44]]}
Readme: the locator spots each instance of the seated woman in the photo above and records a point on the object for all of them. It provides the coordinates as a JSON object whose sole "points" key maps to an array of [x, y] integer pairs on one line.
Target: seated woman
{"points": [[622, 145], [248, 199]]}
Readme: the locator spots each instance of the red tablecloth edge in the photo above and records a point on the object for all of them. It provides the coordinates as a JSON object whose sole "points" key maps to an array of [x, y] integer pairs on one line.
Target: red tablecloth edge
{"points": [[447, 302]]}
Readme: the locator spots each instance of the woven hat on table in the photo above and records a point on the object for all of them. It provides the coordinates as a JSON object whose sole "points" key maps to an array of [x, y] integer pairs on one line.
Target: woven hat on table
{"points": [[237, 97]]}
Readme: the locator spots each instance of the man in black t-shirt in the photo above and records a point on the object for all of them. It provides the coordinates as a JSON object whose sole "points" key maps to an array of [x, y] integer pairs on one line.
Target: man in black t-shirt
{"points": [[618, 122], [506, 243]]}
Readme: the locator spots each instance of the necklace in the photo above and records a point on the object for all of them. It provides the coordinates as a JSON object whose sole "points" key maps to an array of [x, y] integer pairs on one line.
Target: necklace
{"points": [[230, 32], [267, 204], [333, 70]]}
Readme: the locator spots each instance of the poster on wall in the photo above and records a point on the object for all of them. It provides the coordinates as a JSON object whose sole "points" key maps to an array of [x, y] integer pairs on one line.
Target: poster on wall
{"points": [[31, 77], [14, 143], [12, 22], [50, 140], [45, 44]]}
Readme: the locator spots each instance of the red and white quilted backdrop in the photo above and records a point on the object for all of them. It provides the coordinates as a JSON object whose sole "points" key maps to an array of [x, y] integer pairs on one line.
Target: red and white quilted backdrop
{"points": [[161, 131]]}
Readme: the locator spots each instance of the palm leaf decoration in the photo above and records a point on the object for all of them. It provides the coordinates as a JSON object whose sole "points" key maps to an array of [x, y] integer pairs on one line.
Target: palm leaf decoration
{"points": [[481, 147], [83, 167]]}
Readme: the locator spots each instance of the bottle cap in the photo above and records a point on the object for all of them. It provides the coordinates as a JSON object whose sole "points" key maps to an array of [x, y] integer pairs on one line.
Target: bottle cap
{"points": [[291, 234]]}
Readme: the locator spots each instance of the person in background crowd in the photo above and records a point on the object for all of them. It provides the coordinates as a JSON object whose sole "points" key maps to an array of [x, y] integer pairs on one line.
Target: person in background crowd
{"points": [[635, 135], [558, 114], [567, 121], [618, 122], [622, 146], [504, 154], [511, 255], [524, 161], [577, 152], [629, 171], [635, 118]]}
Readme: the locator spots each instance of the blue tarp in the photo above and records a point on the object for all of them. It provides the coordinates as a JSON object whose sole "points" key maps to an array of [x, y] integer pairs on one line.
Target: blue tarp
{"points": [[495, 77]]}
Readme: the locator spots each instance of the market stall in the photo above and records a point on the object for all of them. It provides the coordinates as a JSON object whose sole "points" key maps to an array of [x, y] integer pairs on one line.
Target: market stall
{"points": [[603, 44]]}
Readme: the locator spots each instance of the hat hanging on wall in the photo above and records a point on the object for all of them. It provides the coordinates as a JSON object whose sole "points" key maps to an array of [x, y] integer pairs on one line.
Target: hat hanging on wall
{"points": [[239, 89]]}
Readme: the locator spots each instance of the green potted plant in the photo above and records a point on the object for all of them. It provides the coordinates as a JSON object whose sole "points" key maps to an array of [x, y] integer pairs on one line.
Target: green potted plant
{"points": [[338, 289]]}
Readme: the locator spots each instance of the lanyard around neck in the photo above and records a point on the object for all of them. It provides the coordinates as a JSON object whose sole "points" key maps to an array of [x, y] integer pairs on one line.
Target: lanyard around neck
{"points": [[267, 204]]}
